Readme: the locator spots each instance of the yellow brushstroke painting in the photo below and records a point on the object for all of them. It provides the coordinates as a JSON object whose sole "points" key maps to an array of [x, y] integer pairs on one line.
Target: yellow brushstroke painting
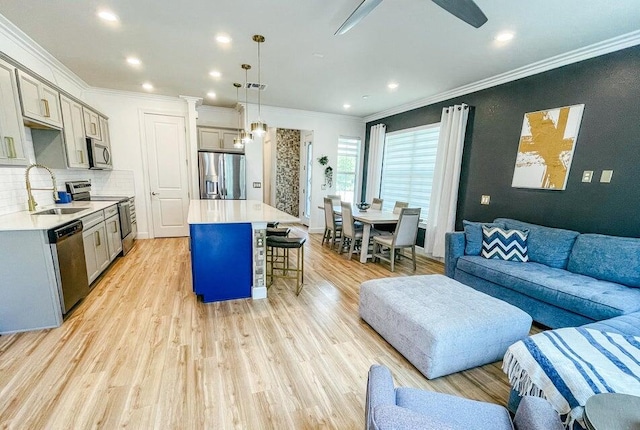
{"points": [[547, 142]]}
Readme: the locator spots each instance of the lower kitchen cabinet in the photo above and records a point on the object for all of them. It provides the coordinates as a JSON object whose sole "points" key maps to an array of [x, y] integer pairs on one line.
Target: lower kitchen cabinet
{"points": [[114, 240], [96, 249]]}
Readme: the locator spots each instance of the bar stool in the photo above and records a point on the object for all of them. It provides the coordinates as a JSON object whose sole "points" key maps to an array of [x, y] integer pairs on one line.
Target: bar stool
{"points": [[277, 232], [280, 262], [272, 224]]}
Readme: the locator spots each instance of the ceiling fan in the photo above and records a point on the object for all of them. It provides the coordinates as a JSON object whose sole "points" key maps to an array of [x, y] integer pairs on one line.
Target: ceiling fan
{"points": [[466, 10]]}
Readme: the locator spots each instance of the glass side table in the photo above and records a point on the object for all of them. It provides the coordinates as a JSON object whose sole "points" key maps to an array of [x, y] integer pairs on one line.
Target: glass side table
{"points": [[609, 411]]}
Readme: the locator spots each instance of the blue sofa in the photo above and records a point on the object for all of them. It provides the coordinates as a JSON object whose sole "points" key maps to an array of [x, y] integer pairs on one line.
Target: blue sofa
{"points": [[571, 279]]}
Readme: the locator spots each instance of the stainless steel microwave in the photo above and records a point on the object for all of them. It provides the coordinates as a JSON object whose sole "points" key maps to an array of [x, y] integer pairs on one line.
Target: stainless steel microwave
{"points": [[99, 155]]}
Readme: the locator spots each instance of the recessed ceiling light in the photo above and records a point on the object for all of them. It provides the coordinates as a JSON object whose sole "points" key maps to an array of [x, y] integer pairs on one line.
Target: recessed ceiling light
{"points": [[211, 95], [215, 74], [108, 16], [223, 38], [505, 36], [346, 106], [134, 61], [147, 86], [365, 97], [392, 85], [318, 55]]}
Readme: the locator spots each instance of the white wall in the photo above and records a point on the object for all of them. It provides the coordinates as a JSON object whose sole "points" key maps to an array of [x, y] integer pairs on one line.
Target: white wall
{"points": [[327, 128], [126, 126]]}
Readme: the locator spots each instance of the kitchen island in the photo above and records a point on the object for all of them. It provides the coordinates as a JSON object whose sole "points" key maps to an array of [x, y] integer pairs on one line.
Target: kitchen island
{"points": [[228, 249]]}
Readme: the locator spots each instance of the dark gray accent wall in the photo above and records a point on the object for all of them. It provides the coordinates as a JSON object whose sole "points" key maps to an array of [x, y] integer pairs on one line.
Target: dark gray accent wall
{"points": [[609, 139]]}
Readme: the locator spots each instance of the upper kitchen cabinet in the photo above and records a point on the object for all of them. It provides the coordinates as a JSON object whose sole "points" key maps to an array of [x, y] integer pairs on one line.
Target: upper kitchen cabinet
{"points": [[11, 128], [74, 128], [40, 102], [210, 138], [91, 124]]}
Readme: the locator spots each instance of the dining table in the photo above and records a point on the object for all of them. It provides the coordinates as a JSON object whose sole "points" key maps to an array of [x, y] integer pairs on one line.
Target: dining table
{"points": [[368, 218]]}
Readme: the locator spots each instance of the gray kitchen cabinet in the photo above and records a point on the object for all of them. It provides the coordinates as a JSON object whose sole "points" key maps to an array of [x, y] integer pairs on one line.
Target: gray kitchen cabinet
{"points": [[114, 239], [74, 139], [11, 128], [91, 123], [40, 102], [211, 138], [96, 250]]}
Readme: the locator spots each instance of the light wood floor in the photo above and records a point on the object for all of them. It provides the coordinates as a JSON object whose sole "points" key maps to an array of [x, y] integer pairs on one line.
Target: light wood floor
{"points": [[142, 352]]}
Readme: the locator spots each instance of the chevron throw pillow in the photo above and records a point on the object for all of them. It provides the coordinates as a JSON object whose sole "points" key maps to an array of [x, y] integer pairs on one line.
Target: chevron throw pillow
{"points": [[501, 244]]}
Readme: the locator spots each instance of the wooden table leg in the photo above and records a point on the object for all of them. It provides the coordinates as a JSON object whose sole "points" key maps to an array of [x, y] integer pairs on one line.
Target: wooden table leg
{"points": [[364, 248]]}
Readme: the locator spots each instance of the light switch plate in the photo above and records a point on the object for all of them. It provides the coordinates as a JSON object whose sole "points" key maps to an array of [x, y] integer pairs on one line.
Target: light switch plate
{"points": [[485, 200], [587, 175], [257, 185], [606, 176]]}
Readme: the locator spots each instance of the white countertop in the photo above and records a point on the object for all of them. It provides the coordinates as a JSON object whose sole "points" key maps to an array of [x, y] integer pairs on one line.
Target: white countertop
{"points": [[25, 220], [235, 211]]}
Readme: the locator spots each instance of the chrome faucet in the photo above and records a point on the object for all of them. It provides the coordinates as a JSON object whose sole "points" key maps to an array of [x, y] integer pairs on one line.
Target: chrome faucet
{"points": [[30, 200]]}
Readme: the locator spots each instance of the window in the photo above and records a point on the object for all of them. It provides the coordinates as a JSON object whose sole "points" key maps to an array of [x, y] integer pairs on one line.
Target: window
{"points": [[347, 168], [408, 163]]}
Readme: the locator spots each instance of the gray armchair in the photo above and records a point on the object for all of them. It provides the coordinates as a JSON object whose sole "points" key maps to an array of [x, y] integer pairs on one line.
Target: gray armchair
{"points": [[410, 408]]}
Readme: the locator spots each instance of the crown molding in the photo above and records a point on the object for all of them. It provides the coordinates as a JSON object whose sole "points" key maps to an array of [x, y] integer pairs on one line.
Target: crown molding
{"points": [[585, 53], [22, 40], [134, 94]]}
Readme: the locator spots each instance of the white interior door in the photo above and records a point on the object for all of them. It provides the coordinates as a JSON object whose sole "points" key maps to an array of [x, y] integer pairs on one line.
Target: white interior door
{"points": [[306, 164], [168, 178]]}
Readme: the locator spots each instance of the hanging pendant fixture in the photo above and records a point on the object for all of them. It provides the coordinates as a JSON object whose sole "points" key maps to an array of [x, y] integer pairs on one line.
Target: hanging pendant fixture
{"points": [[259, 128], [245, 134], [237, 141]]}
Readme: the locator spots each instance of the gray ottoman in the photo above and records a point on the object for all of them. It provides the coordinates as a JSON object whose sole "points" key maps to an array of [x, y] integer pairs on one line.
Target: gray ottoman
{"points": [[440, 325]]}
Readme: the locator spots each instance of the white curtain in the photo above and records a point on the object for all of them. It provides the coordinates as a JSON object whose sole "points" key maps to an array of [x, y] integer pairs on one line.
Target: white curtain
{"points": [[374, 168], [446, 178]]}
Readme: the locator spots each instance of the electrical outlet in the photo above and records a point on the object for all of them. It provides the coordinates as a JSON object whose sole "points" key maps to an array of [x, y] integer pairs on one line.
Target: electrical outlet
{"points": [[257, 185], [606, 176], [484, 200], [587, 175]]}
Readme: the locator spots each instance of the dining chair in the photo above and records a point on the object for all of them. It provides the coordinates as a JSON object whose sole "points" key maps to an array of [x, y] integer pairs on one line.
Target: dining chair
{"points": [[403, 237], [376, 204], [399, 205], [351, 232], [333, 227]]}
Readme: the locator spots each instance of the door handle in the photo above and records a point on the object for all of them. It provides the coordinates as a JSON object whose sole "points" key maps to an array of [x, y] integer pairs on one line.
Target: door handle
{"points": [[47, 112], [153, 193]]}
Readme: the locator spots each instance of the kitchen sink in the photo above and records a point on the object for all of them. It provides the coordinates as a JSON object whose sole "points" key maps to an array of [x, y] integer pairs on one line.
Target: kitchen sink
{"points": [[60, 211]]}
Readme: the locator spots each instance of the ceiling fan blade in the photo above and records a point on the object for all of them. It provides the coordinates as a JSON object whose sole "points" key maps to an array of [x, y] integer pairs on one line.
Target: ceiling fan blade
{"points": [[466, 10], [357, 15]]}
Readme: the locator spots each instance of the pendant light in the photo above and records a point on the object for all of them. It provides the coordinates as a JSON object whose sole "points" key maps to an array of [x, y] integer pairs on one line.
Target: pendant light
{"points": [[237, 141], [259, 128], [245, 134]]}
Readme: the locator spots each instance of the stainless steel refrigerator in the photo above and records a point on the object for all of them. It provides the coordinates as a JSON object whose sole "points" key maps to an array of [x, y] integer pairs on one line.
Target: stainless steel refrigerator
{"points": [[222, 175]]}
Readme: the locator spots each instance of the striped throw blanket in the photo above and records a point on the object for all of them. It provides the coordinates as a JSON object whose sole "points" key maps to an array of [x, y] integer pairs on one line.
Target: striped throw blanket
{"points": [[569, 365]]}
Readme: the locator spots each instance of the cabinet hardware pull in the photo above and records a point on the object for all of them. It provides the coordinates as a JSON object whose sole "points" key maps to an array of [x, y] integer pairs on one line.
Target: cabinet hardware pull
{"points": [[93, 128], [80, 155], [47, 112], [115, 227], [98, 242], [11, 147]]}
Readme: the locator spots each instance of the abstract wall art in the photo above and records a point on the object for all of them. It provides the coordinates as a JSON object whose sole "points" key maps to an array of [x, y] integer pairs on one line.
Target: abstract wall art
{"points": [[547, 142]]}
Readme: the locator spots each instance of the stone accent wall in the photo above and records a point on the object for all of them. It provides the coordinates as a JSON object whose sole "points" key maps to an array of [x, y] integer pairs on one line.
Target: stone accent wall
{"points": [[288, 171]]}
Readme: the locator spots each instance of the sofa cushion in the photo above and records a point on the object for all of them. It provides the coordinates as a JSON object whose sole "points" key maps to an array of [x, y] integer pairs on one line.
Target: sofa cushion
{"points": [[473, 235], [628, 324], [391, 417], [610, 258], [577, 293], [501, 244], [547, 245], [457, 412]]}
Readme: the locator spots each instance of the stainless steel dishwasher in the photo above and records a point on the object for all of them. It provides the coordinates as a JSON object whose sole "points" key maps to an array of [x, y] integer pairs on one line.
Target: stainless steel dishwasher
{"points": [[67, 248]]}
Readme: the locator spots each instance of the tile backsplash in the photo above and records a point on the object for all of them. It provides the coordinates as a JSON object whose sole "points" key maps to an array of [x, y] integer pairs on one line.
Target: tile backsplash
{"points": [[13, 191]]}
